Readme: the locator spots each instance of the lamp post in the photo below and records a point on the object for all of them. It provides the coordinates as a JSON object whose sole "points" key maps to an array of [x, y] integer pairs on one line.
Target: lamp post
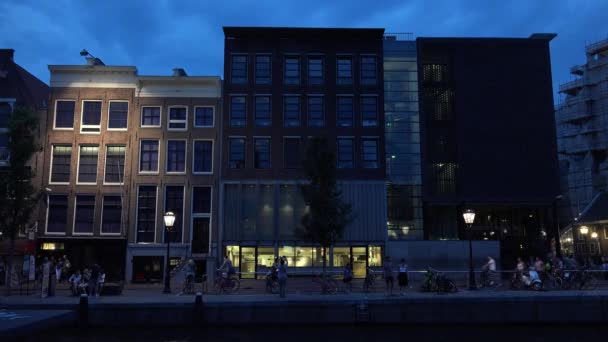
{"points": [[469, 218], [594, 238], [584, 230], [169, 219]]}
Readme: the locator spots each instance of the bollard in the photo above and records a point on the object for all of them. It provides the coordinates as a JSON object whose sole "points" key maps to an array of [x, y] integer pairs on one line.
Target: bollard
{"points": [[83, 311], [198, 309]]}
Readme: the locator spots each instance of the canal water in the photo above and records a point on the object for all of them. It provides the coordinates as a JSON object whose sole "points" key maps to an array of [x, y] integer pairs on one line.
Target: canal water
{"points": [[350, 333]]}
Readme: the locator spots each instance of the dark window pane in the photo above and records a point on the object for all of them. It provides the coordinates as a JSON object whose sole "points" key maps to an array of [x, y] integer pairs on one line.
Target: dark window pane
{"points": [[115, 164], [87, 168], [262, 111], [238, 112], [85, 214], [315, 70], [368, 70], [5, 152], [316, 111], [200, 235], [64, 115], [91, 116], [176, 156], [237, 153], [443, 178], [203, 116], [291, 70], [345, 111], [370, 153], [262, 70], [150, 116], [146, 213], [201, 200], [62, 156], [174, 201], [112, 215], [291, 153], [369, 111], [345, 154], [177, 117], [203, 154], [148, 161], [262, 153], [435, 73], [238, 70], [291, 111], [344, 70], [118, 115], [57, 214]]}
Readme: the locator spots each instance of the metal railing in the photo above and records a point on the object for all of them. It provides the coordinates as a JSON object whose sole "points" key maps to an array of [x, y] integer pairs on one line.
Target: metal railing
{"points": [[399, 36]]}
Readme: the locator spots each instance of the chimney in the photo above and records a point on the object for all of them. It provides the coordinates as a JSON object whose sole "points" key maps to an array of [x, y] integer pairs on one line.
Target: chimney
{"points": [[6, 56], [179, 72]]}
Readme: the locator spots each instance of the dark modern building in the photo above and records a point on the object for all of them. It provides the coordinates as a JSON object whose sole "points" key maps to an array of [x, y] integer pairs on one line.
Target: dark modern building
{"points": [[488, 141], [283, 86]]}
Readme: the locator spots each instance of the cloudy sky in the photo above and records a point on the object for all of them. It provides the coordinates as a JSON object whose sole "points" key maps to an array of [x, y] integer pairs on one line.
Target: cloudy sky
{"points": [[157, 36]]}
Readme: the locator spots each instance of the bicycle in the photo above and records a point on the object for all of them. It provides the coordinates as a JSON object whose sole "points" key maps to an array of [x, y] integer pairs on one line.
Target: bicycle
{"points": [[226, 284], [487, 279], [437, 282], [188, 287], [272, 283], [327, 283]]}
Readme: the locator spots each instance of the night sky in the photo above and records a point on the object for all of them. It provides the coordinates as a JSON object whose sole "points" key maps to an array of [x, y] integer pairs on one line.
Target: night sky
{"points": [[157, 36]]}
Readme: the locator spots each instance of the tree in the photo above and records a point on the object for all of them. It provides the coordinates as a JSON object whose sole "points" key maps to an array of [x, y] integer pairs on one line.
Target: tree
{"points": [[18, 197], [327, 215]]}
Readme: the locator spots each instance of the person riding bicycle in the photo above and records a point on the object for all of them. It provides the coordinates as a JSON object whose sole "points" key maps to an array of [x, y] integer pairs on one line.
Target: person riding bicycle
{"points": [[226, 268], [489, 270], [190, 271]]}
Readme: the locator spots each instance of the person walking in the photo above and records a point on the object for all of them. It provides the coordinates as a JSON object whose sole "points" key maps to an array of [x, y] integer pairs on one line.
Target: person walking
{"points": [[282, 277], [388, 275], [347, 277], [402, 277]]}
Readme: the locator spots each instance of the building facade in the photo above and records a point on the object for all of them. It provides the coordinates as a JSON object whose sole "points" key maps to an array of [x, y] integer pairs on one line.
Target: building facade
{"points": [[282, 86], [582, 133], [120, 150], [488, 141]]}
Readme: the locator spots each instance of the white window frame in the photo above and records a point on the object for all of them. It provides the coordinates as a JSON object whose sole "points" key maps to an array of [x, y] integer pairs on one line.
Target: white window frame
{"points": [[167, 158], [82, 117], [78, 182], [103, 200], [169, 120], [55, 128], [157, 159], [137, 213], [183, 209], [74, 233], [46, 226], [194, 172], [108, 124], [201, 215], [141, 116], [51, 164], [212, 117], [105, 164]]}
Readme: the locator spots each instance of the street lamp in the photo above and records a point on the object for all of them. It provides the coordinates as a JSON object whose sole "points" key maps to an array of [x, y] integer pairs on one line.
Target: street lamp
{"points": [[169, 221], [584, 230], [469, 218], [594, 236]]}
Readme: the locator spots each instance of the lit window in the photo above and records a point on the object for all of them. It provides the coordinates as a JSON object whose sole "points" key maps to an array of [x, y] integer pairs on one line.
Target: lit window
{"points": [[178, 118], [91, 117], [64, 114], [291, 111], [203, 156], [60, 167], [150, 116], [203, 116], [115, 164], [119, 113], [87, 166], [176, 156], [85, 214], [148, 156]]}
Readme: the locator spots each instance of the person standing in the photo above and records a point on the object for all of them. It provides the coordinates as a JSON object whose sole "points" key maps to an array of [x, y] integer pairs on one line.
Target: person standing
{"points": [[93, 280], [282, 278], [388, 275], [403, 278], [347, 277]]}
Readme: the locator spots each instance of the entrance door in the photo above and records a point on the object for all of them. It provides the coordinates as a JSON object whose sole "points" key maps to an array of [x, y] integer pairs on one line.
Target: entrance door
{"points": [[200, 235], [147, 269], [359, 256], [247, 262]]}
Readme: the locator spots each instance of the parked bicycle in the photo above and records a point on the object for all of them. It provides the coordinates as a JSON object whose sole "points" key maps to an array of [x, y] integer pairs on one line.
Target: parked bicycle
{"points": [[272, 283], [437, 282], [327, 284], [225, 284]]}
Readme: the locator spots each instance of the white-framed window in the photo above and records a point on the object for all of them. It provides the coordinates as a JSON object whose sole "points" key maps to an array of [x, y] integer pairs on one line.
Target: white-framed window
{"points": [[114, 172], [151, 116], [90, 119], [178, 118], [56, 214], [201, 219], [61, 160], [64, 115], [146, 213], [87, 164], [118, 115], [174, 202], [111, 215], [204, 116], [176, 156], [148, 156], [202, 157], [84, 214]]}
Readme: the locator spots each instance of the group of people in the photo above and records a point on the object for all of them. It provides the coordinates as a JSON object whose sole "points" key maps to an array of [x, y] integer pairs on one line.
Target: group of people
{"points": [[278, 272], [90, 281], [402, 277]]}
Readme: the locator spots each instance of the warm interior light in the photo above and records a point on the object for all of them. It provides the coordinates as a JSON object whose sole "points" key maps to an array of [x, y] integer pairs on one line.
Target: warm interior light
{"points": [[594, 235], [584, 230]]}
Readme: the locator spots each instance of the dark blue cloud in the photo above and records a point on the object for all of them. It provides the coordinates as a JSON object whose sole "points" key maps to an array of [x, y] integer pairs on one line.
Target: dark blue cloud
{"points": [[159, 35]]}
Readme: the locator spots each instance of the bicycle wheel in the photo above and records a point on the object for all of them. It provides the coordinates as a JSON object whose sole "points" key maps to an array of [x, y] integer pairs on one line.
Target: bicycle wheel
{"points": [[235, 284], [451, 287], [331, 286]]}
